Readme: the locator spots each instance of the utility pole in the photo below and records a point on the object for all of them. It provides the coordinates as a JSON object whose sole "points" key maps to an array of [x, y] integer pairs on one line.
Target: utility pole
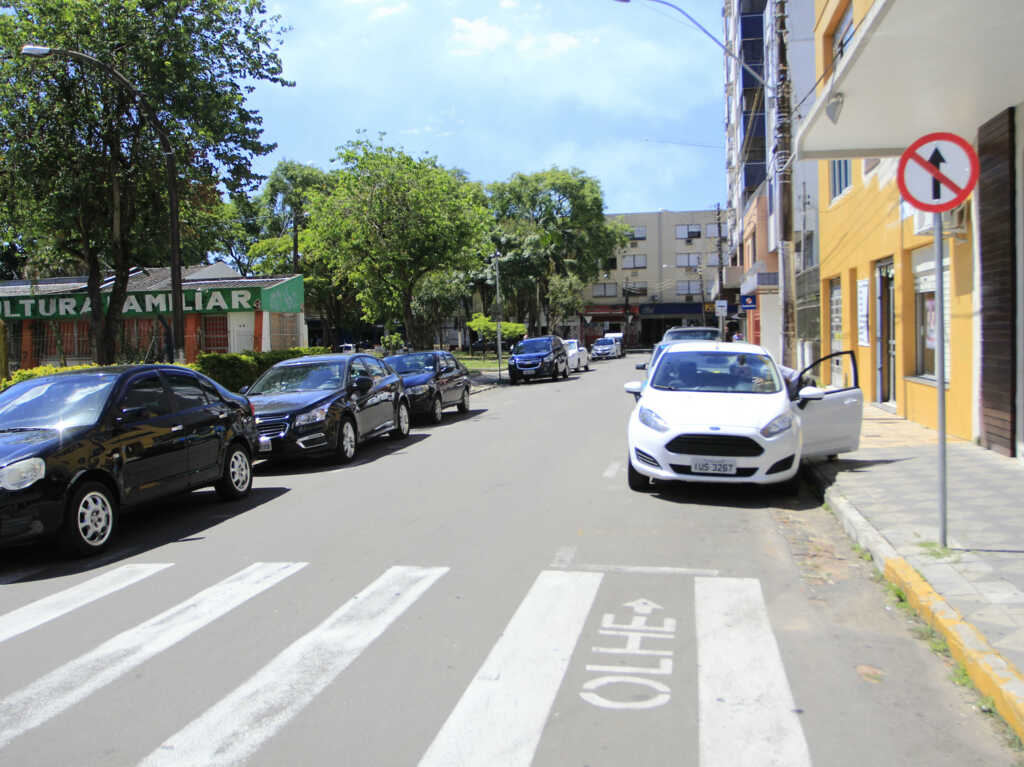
{"points": [[784, 170], [721, 267], [497, 289]]}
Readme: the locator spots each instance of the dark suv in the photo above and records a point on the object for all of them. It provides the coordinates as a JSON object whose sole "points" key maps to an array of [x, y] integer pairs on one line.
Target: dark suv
{"points": [[538, 357]]}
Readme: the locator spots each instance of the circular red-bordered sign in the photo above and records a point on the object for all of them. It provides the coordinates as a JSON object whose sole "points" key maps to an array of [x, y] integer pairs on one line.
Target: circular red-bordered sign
{"points": [[937, 172]]}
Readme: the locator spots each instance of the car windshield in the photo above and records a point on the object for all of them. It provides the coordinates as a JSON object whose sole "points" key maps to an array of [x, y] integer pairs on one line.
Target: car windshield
{"points": [[412, 363], [691, 334], [294, 378], [55, 402], [533, 346], [716, 372], [604, 342], [570, 346]]}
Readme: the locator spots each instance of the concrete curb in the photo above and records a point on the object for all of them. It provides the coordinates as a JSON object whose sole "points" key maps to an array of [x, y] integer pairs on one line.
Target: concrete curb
{"points": [[993, 675]]}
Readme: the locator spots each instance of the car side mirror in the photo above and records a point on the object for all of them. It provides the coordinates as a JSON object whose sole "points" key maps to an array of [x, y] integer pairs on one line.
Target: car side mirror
{"points": [[243, 390], [641, 366], [362, 384], [809, 394], [634, 388]]}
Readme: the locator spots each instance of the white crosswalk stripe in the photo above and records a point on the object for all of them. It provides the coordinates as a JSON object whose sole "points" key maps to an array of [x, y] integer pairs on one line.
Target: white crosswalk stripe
{"points": [[501, 715], [73, 682], [746, 709], [235, 728], [47, 609]]}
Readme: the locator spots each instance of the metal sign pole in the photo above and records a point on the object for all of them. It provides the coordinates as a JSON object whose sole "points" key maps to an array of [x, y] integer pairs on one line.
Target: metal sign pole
{"points": [[940, 372]]}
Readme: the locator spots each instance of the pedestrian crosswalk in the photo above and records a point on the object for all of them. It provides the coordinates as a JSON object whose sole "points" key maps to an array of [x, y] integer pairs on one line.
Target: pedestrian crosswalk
{"points": [[746, 709]]}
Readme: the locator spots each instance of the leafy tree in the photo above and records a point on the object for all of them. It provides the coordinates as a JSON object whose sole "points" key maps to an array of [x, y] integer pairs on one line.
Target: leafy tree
{"points": [[238, 227], [287, 196], [546, 224], [391, 219], [565, 298], [81, 170], [439, 295]]}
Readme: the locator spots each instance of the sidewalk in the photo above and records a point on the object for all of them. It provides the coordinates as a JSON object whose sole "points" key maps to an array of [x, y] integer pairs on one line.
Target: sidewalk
{"points": [[886, 495]]}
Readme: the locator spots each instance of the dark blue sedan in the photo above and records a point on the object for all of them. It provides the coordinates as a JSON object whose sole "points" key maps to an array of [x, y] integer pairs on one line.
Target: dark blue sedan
{"points": [[433, 381]]}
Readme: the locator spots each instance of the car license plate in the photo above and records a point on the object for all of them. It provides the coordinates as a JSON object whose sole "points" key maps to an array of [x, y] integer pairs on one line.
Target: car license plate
{"points": [[265, 446], [713, 467], [529, 372]]}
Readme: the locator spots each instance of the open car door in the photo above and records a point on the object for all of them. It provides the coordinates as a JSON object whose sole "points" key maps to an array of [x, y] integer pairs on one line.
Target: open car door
{"points": [[832, 425]]}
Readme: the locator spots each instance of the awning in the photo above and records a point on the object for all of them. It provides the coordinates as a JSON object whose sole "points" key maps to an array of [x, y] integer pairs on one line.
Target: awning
{"points": [[916, 67]]}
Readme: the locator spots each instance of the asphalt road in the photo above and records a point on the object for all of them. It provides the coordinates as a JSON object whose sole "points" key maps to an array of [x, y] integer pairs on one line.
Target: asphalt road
{"points": [[487, 592]]}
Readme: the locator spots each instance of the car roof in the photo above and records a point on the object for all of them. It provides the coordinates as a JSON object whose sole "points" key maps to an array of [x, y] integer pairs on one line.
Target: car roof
{"points": [[316, 358], [716, 346]]}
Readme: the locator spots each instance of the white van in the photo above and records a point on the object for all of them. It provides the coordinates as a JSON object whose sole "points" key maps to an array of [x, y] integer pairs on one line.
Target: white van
{"points": [[617, 339]]}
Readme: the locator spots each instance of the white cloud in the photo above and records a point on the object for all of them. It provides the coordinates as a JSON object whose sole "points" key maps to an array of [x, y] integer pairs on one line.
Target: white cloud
{"points": [[547, 46], [389, 10], [471, 38]]}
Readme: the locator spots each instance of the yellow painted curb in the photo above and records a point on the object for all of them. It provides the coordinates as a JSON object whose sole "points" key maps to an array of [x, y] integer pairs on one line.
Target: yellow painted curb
{"points": [[993, 675]]}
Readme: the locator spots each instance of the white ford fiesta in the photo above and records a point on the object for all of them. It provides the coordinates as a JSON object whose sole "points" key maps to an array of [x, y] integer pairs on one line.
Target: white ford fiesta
{"points": [[723, 412]]}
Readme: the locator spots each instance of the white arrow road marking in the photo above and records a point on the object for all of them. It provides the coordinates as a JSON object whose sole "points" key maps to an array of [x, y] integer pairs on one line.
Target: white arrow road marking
{"points": [[746, 707], [643, 606], [73, 682], [43, 610], [500, 717], [233, 729]]}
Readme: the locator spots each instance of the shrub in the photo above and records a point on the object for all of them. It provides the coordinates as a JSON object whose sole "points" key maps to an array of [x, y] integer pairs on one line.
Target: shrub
{"points": [[233, 371], [27, 374]]}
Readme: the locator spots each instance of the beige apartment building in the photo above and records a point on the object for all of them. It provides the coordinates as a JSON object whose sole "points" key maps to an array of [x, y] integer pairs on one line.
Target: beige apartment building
{"points": [[666, 275]]}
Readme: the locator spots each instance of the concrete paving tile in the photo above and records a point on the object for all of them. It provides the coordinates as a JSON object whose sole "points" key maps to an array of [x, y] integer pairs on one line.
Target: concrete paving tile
{"points": [[1013, 641], [999, 592], [996, 615]]}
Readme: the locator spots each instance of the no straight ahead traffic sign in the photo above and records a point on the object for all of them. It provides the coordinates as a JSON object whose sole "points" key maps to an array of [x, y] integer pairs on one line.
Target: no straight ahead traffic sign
{"points": [[937, 172]]}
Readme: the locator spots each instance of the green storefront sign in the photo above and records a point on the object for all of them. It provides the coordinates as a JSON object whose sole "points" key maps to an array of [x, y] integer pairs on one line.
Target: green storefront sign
{"points": [[284, 297]]}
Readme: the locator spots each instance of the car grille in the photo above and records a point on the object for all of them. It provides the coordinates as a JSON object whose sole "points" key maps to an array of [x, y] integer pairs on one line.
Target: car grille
{"points": [[714, 444], [527, 364], [273, 426]]}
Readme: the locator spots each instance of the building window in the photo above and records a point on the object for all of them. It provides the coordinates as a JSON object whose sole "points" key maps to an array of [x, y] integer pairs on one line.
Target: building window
{"points": [[687, 259], [688, 231], [215, 334], [838, 177], [926, 318], [688, 288], [711, 230], [870, 163], [284, 331], [635, 288], [711, 259], [842, 36], [634, 261], [604, 289], [610, 263], [638, 233], [771, 197]]}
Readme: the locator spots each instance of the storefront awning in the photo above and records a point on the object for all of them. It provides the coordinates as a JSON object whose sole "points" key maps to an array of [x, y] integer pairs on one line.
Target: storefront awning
{"points": [[916, 67]]}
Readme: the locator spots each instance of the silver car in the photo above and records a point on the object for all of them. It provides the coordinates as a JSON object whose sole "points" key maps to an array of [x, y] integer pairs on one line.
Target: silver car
{"points": [[579, 357]]}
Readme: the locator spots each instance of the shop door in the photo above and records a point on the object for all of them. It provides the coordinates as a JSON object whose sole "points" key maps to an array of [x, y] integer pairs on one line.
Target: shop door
{"points": [[887, 332], [835, 322]]}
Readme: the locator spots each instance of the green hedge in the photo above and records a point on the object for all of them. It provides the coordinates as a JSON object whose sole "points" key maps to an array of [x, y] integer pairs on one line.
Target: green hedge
{"points": [[233, 371]]}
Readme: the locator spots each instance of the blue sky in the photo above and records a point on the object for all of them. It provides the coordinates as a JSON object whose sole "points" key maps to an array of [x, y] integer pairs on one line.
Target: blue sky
{"points": [[496, 87]]}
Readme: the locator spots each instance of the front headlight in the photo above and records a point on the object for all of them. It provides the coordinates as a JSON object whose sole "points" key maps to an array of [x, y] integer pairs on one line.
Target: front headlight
{"points": [[777, 425], [418, 389], [313, 416], [20, 475], [652, 420]]}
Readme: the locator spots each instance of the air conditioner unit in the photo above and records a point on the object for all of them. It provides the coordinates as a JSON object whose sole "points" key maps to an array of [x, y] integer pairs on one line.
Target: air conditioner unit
{"points": [[689, 241], [953, 221]]}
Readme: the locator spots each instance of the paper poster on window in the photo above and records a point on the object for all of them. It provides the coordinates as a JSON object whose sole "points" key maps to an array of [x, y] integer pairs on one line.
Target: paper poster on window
{"points": [[929, 323], [863, 301]]}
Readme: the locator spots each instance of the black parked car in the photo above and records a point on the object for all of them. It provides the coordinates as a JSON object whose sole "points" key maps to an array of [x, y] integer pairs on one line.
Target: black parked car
{"points": [[78, 447], [433, 381], [327, 403], [538, 357]]}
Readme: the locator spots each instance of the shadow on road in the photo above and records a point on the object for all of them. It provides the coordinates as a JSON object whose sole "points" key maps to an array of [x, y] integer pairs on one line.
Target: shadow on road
{"points": [[736, 496], [180, 518], [367, 452]]}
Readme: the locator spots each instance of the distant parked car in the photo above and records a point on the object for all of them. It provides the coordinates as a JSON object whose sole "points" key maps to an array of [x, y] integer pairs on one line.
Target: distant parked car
{"points": [[692, 334], [606, 349], [433, 381], [77, 448], [538, 357], [579, 357], [327, 403]]}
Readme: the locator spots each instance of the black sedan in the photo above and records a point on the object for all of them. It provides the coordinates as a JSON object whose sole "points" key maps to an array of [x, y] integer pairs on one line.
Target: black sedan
{"points": [[327, 403], [76, 448], [434, 381]]}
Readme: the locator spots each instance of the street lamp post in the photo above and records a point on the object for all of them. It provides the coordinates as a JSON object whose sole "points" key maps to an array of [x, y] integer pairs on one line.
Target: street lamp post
{"points": [[497, 290], [177, 310]]}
